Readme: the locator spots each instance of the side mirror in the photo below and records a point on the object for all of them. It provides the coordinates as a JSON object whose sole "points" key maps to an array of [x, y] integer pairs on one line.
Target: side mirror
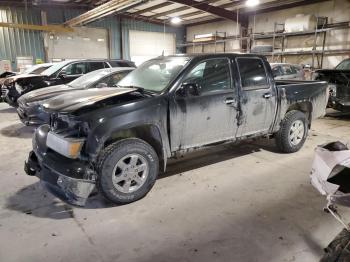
{"points": [[101, 85], [189, 89], [62, 74]]}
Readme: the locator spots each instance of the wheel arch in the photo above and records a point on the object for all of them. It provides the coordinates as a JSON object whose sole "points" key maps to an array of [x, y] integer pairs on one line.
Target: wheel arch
{"points": [[305, 107], [148, 132]]}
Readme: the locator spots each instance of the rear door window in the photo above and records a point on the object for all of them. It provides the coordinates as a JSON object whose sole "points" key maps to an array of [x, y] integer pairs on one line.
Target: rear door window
{"points": [[95, 66], [252, 72]]}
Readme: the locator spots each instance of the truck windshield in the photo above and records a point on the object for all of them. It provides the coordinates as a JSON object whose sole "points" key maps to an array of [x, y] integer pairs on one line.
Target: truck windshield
{"points": [[345, 65], [154, 75]]}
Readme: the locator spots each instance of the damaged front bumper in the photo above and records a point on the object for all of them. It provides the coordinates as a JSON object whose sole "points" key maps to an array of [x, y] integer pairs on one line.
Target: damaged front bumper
{"points": [[70, 180]]}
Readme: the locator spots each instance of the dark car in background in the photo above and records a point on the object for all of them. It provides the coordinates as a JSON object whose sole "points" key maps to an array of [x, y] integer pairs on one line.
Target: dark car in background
{"points": [[339, 85], [34, 70], [284, 71], [29, 105], [60, 73]]}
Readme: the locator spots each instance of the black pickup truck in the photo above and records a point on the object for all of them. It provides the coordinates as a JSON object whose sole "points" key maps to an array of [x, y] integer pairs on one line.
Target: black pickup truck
{"points": [[119, 139], [339, 85]]}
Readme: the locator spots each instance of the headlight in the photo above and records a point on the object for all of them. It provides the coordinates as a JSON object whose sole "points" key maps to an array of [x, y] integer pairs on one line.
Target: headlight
{"points": [[67, 146]]}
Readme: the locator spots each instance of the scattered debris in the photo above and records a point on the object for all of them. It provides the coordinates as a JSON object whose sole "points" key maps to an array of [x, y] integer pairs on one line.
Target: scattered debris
{"points": [[330, 175]]}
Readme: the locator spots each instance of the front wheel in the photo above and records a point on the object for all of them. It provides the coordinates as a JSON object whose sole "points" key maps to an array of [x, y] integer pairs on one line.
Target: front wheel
{"points": [[293, 132], [127, 170]]}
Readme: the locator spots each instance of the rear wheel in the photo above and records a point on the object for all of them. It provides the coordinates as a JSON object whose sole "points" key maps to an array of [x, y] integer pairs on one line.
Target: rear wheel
{"points": [[293, 132], [127, 170]]}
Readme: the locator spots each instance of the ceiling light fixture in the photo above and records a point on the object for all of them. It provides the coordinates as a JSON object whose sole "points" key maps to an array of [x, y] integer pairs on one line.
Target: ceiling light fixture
{"points": [[176, 20], [252, 3]]}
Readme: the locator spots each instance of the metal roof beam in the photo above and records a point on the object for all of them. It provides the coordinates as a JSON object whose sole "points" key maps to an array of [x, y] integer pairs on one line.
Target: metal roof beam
{"points": [[103, 10], [151, 8], [214, 10], [176, 10], [48, 28], [269, 6]]}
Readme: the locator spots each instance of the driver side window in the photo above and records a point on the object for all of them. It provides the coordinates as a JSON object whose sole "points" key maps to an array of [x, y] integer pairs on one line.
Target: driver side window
{"points": [[211, 75]]}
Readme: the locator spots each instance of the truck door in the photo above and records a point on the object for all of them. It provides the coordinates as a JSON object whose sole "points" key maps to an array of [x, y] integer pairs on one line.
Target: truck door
{"points": [[258, 96], [208, 114]]}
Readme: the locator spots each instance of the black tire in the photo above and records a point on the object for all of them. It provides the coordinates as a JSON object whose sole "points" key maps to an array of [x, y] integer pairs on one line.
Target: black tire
{"points": [[338, 249], [282, 136], [110, 157]]}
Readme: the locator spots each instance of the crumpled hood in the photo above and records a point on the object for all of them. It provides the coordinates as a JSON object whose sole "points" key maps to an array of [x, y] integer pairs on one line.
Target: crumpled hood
{"points": [[72, 101], [16, 77], [45, 93]]}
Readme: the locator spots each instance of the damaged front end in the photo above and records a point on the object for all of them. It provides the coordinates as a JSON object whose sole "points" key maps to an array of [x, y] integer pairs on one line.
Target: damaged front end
{"points": [[57, 162]]}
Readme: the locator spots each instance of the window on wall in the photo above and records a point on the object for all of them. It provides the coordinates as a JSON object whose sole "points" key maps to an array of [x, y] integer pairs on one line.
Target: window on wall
{"points": [[253, 74]]}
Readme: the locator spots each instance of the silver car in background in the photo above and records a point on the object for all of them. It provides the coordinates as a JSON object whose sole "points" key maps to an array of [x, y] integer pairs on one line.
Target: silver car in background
{"points": [[29, 105], [284, 71]]}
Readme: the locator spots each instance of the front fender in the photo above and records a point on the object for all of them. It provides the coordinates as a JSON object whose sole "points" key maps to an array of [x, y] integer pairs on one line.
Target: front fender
{"points": [[148, 124]]}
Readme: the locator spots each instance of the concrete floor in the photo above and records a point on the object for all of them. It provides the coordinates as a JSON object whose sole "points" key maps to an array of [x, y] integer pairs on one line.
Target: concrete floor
{"points": [[230, 203]]}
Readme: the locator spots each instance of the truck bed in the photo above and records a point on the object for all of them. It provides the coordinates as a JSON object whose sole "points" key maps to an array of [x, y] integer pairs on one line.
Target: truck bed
{"points": [[312, 94]]}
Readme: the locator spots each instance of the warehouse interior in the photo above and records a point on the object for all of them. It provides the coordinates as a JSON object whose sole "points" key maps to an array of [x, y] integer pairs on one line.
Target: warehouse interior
{"points": [[243, 172]]}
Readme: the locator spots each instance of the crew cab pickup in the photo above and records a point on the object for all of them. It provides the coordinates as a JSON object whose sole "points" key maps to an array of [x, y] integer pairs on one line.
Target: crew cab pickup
{"points": [[120, 139]]}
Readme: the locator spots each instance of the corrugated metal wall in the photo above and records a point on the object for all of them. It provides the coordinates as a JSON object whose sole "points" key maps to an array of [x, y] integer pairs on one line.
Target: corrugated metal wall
{"points": [[18, 42], [111, 23]]}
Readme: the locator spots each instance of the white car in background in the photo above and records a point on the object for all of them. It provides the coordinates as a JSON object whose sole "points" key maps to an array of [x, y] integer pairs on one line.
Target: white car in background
{"points": [[284, 71]]}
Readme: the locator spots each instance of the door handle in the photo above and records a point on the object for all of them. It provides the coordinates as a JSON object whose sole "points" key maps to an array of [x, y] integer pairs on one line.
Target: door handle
{"points": [[229, 101], [267, 95]]}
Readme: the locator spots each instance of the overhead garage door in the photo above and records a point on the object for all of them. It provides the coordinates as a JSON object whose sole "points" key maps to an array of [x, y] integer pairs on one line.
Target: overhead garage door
{"points": [[84, 42], [146, 45]]}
